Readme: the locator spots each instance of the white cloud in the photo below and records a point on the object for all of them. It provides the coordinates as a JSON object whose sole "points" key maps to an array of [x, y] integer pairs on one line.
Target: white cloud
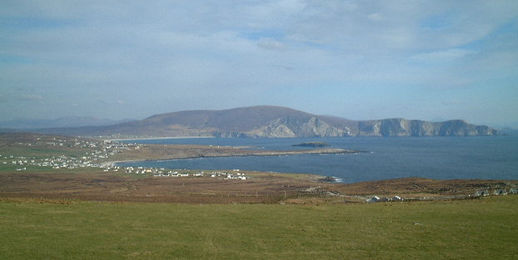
{"points": [[186, 48]]}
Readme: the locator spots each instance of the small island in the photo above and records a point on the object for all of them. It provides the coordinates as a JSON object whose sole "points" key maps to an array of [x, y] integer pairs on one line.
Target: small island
{"points": [[312, 144]]}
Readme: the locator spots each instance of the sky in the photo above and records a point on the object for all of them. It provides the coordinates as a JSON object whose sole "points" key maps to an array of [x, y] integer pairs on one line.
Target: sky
{"points": [[430, 60]]}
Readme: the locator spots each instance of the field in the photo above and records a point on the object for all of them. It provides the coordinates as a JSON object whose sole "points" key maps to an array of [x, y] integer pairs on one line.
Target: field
{"points": [[70, 229]]}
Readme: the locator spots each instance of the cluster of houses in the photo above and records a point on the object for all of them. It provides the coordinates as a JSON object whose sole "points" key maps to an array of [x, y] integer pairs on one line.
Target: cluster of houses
{"points": [[384, 199], [55, 162], [157, 172], [95, 152], [163, 172], [235, 175], [477, 194], [496, 192], [225, 175]]}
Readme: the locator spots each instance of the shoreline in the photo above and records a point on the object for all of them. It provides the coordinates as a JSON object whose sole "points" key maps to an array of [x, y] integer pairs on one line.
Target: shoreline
{"points": [[251, 154], [158, 138]]}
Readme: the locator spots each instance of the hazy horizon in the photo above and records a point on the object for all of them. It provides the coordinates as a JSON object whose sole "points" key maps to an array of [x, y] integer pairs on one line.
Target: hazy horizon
{"points": [[358, 60], [73, 121]]}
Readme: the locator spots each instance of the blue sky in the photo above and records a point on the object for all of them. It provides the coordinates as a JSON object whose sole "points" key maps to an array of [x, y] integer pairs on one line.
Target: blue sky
{"points": [[431, 60]]}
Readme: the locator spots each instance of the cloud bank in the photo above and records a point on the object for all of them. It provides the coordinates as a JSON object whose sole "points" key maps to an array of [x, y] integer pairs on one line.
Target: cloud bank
{"points": [[357, 59]]}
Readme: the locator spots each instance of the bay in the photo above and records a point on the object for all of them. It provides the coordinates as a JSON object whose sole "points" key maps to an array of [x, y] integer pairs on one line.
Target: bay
{"points": [[494, 157]]}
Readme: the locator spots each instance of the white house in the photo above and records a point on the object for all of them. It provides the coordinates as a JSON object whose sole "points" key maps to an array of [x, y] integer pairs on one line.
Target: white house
{"points": [[374, 199]]}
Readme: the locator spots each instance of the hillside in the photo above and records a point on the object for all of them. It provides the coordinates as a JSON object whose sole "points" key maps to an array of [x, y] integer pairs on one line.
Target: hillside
{"points": [[272, 121]]}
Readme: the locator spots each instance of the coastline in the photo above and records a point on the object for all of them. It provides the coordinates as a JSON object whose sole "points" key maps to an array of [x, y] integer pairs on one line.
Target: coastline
{"points": [[249, 153], [158, 138]]}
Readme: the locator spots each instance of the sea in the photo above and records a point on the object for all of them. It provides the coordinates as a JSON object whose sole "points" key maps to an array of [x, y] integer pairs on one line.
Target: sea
{"points": [[481, 157]]}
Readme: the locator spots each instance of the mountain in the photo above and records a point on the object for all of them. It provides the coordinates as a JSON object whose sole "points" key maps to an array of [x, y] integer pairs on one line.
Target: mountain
{"points": [[72, 121], [272, 121]]}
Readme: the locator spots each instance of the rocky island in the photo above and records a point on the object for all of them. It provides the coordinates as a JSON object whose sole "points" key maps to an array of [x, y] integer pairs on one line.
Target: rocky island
{"points": [[312, 144]]}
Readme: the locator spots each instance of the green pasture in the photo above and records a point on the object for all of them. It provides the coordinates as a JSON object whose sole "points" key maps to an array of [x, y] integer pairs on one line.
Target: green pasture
{"points": [[470, 229]]}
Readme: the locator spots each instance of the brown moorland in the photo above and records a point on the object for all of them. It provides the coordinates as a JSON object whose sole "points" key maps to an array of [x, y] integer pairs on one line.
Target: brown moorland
{"points": [[259, 188]]}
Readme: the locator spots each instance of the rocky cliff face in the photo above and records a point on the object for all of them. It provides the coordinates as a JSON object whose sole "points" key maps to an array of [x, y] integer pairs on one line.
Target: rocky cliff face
{"points": [[288, 127], [315, 127], [403, 127], [268, 121]]}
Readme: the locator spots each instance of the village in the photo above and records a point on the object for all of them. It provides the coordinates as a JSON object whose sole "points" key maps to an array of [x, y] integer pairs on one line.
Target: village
{"points": [[83, 153], [236, 175], [97, 154]]}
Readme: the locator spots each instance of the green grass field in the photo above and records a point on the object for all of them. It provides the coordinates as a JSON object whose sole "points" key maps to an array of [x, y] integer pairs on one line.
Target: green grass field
{"points": [[475, 229], [43, 151]]}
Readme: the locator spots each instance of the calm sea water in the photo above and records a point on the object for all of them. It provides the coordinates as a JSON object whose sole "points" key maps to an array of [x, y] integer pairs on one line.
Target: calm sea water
{"points": [[384, 158]]}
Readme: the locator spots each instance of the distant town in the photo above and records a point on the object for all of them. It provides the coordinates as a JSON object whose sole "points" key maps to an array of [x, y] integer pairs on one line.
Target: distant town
{"points": [[97, 155]]}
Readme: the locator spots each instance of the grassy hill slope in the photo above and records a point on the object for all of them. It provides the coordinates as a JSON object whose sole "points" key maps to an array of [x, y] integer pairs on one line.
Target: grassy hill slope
{"points": [[35, 229]]}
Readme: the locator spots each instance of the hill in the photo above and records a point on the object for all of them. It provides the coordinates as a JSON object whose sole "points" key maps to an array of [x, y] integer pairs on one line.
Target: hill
{"points": [[272, 121]]}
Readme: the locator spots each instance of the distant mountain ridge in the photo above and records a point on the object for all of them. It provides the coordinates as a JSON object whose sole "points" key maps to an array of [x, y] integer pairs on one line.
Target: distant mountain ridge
{"points": [[62, 122], [271, 122]]}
